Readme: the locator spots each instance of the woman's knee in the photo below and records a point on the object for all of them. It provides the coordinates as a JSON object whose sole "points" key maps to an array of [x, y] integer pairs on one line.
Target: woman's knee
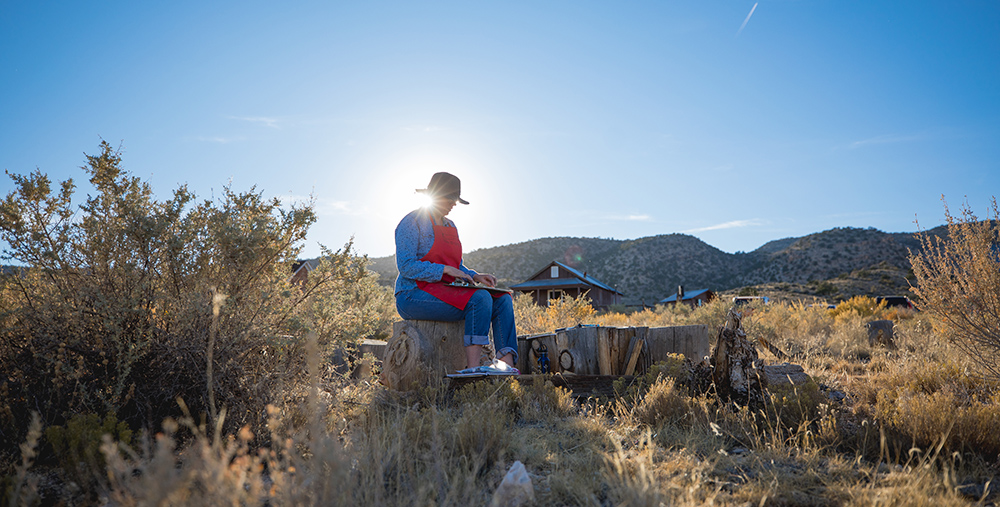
{"points": [[481, 299]]}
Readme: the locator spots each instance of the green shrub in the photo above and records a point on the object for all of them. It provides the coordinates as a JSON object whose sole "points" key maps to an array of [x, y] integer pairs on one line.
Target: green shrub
{"points": [[77, 445]]}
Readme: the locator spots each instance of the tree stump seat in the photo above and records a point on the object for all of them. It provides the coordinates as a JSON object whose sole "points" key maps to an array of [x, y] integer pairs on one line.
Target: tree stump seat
{"points": [[421, 352]]}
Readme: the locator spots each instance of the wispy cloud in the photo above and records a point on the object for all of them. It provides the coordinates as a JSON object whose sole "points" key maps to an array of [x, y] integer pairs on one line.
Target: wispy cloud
{"points": [[890, 139], [753, 222], [745, 21], [262, 120]]}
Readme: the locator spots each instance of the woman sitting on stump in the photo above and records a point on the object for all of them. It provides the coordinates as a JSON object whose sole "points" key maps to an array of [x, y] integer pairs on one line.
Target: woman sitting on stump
{"points": [[429, 259]]}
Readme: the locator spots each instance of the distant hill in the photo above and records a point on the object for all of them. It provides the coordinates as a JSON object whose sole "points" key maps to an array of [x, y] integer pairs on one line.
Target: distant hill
{"points": [[834, 264]]}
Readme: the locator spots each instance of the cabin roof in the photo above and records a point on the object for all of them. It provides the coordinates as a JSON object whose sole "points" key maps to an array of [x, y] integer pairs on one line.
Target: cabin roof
{"points": [[688, 294], [563, 282]]}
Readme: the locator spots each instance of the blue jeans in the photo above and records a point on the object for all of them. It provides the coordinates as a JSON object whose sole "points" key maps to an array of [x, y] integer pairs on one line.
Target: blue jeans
{"points": [[481, 311]]}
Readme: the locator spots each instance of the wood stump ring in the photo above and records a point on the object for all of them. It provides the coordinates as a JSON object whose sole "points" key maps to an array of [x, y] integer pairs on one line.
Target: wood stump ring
{"points": [[566, 357]]}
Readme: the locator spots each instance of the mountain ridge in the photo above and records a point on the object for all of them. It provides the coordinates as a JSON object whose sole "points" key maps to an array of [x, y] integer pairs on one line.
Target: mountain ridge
{"points": [[651, 268]]}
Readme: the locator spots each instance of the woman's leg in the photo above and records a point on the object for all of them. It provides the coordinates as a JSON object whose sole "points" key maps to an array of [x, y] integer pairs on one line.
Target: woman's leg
{"points": [[504, 331], [419, 305], [477, 326]]}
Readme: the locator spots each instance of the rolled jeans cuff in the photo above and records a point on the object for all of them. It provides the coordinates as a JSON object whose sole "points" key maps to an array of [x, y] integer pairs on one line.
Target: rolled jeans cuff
{"points": [[471, 339], [507, 350]]}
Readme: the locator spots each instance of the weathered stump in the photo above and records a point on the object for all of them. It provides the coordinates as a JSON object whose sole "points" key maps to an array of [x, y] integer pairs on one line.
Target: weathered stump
{"points": [[421, 352], [737, 371], [880, 333]]}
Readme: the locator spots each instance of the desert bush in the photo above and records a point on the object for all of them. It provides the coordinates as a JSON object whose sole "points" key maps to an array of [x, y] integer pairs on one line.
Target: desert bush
{"points": [[958, 281], [564, 312], [862, 306], [929, 403], [794, 405], [662, 404], [350, 306], [131, 302], [796, 329], [77, 445]]}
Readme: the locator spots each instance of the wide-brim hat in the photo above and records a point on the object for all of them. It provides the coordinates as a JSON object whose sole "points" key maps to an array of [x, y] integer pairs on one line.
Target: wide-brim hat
{"points": [[444, 185]]}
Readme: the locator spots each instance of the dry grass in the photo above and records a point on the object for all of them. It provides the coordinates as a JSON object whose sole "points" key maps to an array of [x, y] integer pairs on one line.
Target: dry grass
{"points": [[914, 429]]}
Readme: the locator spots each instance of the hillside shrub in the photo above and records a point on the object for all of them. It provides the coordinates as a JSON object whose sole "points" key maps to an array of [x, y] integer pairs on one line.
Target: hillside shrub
{"points": [[958, 281], [862, 306], [129, 302], [77, 444]]}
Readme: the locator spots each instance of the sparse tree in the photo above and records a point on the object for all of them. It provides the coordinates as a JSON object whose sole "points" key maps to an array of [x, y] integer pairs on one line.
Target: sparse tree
{"points": [[958, 282]]}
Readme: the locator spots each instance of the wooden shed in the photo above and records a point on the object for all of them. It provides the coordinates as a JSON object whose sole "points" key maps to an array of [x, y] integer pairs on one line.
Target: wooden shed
{"points": [[301, 269], [558, 279], [692, 298]]}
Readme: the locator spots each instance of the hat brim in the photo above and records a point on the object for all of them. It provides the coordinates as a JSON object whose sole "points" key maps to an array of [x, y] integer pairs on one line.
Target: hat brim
{"points": [[428, 192]]}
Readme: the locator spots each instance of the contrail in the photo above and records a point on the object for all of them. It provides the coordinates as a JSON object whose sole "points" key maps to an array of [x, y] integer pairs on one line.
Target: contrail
{"points": [[745, 21]]}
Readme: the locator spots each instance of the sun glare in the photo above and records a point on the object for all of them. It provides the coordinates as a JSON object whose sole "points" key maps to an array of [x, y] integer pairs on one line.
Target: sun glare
{"points": [[424, 200]]}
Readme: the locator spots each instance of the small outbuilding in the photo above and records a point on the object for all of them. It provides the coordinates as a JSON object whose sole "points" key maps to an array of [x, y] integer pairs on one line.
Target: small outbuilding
{"points": [[694, 298], [557, 280], [301, 269]]}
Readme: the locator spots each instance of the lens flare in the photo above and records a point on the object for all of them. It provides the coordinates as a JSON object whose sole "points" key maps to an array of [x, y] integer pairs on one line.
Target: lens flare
{"points": [[425, 200], [573, 256]]}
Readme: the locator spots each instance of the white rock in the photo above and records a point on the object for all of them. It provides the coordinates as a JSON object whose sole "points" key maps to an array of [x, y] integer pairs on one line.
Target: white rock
{"points": [[515, 489]]}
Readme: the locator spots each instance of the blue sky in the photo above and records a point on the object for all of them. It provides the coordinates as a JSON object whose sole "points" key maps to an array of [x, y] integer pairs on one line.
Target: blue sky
{"points": [[596, 119]]}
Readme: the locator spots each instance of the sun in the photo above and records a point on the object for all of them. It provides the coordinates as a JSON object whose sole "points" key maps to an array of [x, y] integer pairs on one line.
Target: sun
{"points": [[423, 200]]}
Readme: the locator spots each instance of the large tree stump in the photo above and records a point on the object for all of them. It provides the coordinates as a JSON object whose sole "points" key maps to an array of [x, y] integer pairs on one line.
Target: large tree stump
{"points": [[737, 371], [421, 352]]}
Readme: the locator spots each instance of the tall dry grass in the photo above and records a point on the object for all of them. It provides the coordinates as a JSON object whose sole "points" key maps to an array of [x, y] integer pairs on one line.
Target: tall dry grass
{"points": [[352, 442]]}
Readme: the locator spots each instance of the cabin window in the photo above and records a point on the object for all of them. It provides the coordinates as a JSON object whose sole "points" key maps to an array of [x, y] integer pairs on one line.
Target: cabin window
{"points": [[555, 295], [554, 272]]}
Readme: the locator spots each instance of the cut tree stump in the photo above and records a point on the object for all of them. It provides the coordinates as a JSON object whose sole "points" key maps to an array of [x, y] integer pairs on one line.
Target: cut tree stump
{"points": [[421, 352], [737, 371], [880, 333]]}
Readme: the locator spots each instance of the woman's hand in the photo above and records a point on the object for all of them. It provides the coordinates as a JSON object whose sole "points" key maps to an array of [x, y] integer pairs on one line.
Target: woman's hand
{"points": [[457, 273], [485, 279]]}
